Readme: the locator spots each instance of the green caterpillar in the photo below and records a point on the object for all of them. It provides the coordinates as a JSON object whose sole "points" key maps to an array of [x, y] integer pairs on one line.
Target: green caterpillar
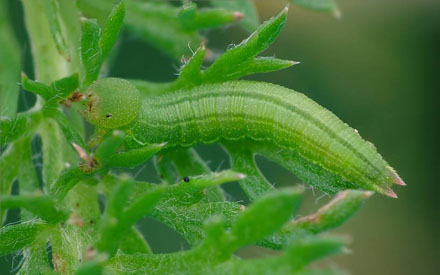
{"points": [[316, 144]]}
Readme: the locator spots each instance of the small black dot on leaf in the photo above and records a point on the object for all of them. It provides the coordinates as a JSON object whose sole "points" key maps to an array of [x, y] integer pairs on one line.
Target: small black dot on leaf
{"points": [[186, 179]]}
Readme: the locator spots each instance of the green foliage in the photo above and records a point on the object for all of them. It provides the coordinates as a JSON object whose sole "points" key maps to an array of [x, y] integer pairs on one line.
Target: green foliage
{"points": [[40, 205], [250, 21], [235, 63], [51, 12], [16, 237], [183, 24], [95, 46], [320, 5], [70, 46]]}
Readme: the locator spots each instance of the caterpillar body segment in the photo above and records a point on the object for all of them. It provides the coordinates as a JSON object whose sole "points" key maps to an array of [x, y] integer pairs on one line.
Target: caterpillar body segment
{"points": [[290, 128]]}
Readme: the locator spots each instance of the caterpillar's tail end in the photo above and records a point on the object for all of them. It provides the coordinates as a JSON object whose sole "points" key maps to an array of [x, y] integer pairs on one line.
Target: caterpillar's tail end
{"points": [[396, 178], [390, 193]]}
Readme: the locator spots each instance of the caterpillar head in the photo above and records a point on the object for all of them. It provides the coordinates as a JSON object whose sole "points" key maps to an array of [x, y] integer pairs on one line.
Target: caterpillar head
{"points": [[112, 103]]}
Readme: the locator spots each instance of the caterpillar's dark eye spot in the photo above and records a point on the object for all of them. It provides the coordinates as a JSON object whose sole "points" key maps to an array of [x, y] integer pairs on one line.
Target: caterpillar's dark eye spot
{"points": [[186, 179], [108, 115]]}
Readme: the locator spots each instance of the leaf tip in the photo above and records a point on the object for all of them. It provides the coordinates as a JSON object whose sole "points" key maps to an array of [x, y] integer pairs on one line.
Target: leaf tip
{"points": [[396, 178], [81, 152], [238, 15], [23, 75], [390, 193], [161, 145]]}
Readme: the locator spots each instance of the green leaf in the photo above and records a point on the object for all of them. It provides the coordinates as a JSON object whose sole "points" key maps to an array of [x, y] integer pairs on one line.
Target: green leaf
{"points": [[190, 72], [250, 21], [145, 18], [16, 127], [259, 65], [35, 260], [70, 133], [236, 62], [35, 87], [110, 33], [41, 205], [332, 215], [65, 182], [193, 18], [302, 252], [110, 230], [17, 163], [65, 86], [141, 206], [265, 216], [133, 242], [109, 146], [246, 50], [198, 261], [76, 121], [189, 220], [117, 220], [119, 198], [293, 261], [189, 163], [191, 190], [17, 236], [57, 91], [313, 175], [134, 157], [60, 91], [52, 12], [91, 55]]}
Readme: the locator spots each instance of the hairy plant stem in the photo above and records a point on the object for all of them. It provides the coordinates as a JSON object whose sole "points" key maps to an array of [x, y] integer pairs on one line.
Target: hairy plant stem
{"points": [[69, 240], [49, 65]]}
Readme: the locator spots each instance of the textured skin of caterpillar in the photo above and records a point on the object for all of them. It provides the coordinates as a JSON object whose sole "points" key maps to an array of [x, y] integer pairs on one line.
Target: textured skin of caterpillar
{"points": [[310, 140]]}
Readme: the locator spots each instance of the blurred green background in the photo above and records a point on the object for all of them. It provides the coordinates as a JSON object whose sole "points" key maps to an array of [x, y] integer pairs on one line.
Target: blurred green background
{"points": [[377, 68]]}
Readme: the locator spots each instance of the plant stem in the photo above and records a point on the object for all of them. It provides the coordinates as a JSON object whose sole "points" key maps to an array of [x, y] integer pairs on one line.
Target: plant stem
{"points": [[9, 65], [49, 65]]}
